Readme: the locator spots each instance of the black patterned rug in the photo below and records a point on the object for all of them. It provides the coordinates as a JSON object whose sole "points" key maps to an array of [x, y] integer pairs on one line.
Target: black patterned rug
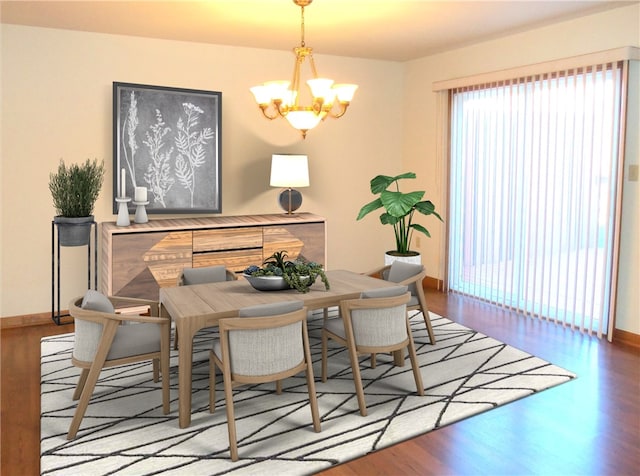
{"points": [[124, 431]]}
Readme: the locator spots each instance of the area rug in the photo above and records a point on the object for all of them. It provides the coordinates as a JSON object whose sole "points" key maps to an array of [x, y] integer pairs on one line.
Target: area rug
{"points": [[124, 431]]}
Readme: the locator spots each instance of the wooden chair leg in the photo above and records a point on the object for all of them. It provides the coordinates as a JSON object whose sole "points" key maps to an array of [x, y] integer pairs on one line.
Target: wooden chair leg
{"points": [[156, 370], [398, 358], [231, 419], [313, 399], [324, 356], [108, 333], [311, 386], [83, 403], [373, 361], [81, 383], [427, 321], [357, 379], [212, 383], [164, 368], [417, 375], [278, 387]]}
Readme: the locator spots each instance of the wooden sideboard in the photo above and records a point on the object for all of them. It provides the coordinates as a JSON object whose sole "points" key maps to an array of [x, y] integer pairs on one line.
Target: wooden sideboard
{"points": [[139, 259]]}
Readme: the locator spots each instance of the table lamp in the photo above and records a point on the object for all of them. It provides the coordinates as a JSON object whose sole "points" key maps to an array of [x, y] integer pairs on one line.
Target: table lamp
{"points": [[289, 171]]}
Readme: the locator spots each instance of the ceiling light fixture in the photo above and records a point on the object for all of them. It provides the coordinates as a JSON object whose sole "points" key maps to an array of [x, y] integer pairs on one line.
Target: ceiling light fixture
{"points": [[281, 98]]}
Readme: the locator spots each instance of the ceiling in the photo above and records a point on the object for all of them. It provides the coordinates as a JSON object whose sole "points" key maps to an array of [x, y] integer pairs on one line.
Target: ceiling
{"points": [[391, 30]]}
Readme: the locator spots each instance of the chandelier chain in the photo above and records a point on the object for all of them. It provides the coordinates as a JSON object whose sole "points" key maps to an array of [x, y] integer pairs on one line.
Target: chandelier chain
{"points": [[302, 26]]}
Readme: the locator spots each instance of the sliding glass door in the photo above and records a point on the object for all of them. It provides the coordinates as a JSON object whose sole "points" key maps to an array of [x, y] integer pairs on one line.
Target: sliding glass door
{"points": [[535, 166]]}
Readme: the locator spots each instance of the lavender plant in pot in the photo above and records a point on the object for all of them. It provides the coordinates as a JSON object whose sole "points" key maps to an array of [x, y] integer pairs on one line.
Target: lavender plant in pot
{"points": [[75, 189]]}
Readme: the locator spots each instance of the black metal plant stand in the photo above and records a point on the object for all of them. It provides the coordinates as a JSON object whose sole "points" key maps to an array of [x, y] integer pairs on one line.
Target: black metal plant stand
{"points": [[55, 267]]}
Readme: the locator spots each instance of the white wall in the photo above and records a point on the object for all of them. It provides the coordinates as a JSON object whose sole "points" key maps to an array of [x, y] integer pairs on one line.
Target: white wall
{"points": [[57, 103], [611, 29], [628, 298]]}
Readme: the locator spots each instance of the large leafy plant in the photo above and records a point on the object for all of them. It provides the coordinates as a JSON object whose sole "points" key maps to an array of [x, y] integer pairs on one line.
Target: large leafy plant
{"points": [[299, 274], [400, 208], [75, 188]]}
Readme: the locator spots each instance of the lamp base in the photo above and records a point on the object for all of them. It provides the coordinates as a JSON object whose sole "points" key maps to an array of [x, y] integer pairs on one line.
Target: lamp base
{"points": [[290, 200]]}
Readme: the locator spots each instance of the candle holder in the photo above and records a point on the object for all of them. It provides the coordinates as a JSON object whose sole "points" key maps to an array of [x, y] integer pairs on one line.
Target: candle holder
{"points": [[141, 212], [123, 211]]}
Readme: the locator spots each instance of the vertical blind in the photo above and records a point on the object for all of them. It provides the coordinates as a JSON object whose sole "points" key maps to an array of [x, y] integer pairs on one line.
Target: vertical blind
{"points": [[534, 193]]}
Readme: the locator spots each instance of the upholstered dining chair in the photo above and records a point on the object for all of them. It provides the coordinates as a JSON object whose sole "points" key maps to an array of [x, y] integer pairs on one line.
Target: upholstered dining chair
{"points": [[377, 322], [102, 341], [203, 275], [411, 275], [266, 343]]}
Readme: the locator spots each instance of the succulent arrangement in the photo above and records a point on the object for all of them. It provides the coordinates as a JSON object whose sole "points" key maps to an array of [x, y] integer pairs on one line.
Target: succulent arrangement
{"points": [[298, 274]]}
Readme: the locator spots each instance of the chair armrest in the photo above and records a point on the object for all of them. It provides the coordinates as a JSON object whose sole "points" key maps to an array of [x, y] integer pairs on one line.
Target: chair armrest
{"points": [[100, 317], [119, 302], [378, 271], [146, 319]]}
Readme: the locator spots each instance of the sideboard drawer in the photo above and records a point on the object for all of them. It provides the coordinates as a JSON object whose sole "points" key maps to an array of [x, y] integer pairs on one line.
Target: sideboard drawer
{"points": [[227, 239], [236, 261]]}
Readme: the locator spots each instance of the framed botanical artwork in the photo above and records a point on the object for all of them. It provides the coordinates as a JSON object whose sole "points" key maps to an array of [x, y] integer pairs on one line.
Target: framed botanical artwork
{"points": [[167, 148]]}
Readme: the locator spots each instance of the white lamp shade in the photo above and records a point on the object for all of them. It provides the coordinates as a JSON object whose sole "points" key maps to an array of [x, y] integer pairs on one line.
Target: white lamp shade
{"points": [[289, 171], [321, 87], [345, 92], [262, 94]]}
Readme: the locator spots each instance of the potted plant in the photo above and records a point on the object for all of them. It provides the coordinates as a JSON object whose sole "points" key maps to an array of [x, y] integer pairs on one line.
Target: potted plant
{"points": [[75, 189], [278, 273], [400, 208]]}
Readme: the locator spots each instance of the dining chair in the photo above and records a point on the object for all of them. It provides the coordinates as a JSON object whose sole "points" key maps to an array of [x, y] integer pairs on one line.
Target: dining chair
{"points": [[376, 322], [102, 340], [411, 275], [265, 343], [203, 275]]}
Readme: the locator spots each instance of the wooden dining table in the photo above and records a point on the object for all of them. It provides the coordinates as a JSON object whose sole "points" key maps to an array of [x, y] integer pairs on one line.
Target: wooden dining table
{"points": [[198, 306]]}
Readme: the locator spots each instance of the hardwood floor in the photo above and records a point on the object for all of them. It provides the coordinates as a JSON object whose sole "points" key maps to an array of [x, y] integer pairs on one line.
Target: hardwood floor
{"points": [[588, 426]]}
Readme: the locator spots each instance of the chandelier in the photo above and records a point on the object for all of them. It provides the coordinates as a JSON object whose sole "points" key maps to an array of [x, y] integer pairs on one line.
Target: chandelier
{"points": [[282, 98]]}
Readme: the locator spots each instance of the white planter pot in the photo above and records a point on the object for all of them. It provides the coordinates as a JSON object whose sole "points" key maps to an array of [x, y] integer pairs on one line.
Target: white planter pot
{"points": [[413, 259]]}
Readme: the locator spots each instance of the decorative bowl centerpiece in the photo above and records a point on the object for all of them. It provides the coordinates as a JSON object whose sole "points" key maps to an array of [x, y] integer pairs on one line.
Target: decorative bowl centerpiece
{"points": [[267, 283], [278, 274]]}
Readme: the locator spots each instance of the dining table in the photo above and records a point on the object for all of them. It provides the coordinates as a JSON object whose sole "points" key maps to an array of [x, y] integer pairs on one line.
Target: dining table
{"points": [[195, 307]]}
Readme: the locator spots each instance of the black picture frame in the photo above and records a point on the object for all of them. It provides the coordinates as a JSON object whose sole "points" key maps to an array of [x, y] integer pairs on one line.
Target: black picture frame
{"points": [[169, 141]]}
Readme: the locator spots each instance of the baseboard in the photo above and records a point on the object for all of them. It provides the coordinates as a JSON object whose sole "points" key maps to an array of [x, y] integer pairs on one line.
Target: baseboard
{"points": [[626, 337], [433, 283], [39, 319]]}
